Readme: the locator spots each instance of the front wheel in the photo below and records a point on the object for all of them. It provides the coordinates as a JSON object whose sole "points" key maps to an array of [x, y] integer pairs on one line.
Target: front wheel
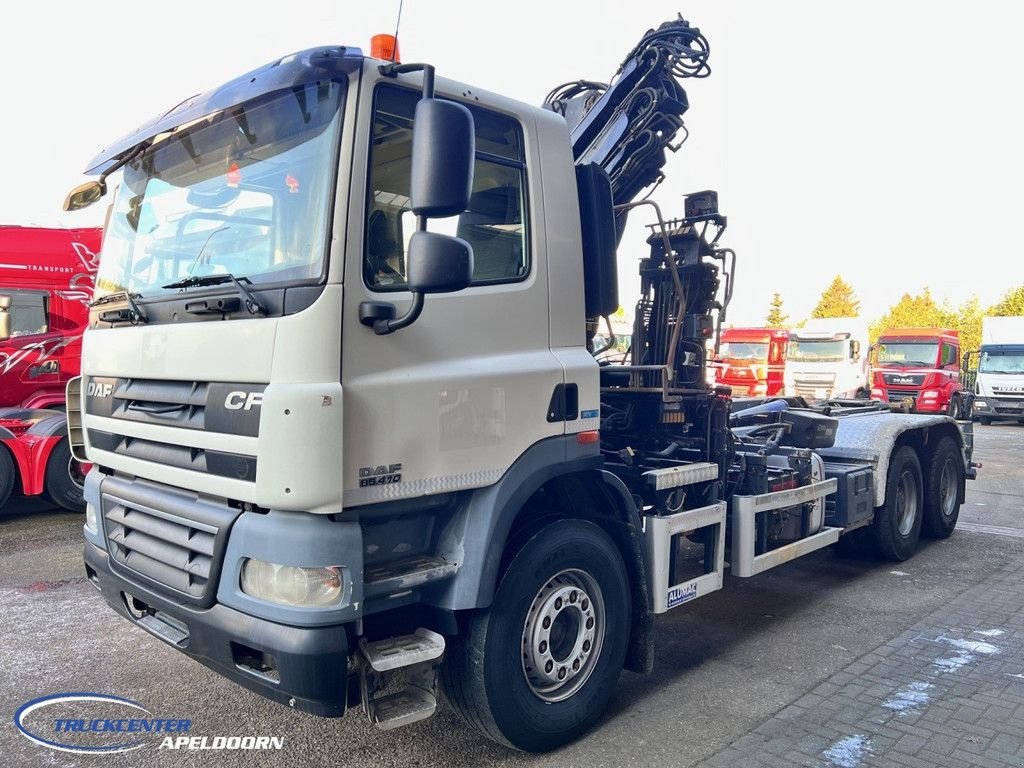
{"points": [[537, 668], [985, 420], [897, 524], [64, 484]]}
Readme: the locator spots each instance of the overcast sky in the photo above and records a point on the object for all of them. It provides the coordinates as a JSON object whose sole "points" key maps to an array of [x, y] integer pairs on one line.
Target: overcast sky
{"points": [[878, 140]]}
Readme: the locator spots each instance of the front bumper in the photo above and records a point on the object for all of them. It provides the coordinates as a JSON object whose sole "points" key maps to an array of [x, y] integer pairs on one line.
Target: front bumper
{"points": [[302, 667], [998, 409]]}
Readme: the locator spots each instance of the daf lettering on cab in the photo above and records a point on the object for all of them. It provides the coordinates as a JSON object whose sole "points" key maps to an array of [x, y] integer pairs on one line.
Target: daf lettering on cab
{"points": [[441, 490], [828, 358], [999, 386]]}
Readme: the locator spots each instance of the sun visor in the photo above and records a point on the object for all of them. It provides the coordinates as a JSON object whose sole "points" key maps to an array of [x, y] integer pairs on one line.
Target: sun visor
{"points": [[296, 69]]}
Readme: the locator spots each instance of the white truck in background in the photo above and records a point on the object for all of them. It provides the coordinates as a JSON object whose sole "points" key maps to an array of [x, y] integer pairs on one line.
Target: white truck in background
{"points": [[828, 358], [999, 387]]}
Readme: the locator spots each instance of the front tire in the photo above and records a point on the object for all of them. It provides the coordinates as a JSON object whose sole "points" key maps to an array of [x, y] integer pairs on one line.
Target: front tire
{"points": [[985, 420], [7, 476], [64, 484], [942, 490], [897, 524], [536, 669]]}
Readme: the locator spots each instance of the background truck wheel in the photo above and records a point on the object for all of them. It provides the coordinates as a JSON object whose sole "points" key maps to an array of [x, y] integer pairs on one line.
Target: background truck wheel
{"points": [[64, 480], [897, 524], [986, 420], [953, 409], [536, 670], [6, 475], [942, 490]]}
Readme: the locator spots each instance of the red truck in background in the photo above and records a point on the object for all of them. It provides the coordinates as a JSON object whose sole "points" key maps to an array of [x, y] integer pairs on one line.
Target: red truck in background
{"points": [[751, 361], [920, 367], [46, 283]]}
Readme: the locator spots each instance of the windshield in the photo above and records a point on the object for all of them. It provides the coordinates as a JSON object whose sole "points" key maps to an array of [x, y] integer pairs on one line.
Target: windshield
{"points": [[743, 350], [1001, 362], [908, 352], [817, 350], [247, 191]]}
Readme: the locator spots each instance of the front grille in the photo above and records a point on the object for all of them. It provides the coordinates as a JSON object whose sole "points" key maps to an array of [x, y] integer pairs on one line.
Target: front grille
{"points": [[227, 408], [236, 466], [904, 379], [168, 551]]}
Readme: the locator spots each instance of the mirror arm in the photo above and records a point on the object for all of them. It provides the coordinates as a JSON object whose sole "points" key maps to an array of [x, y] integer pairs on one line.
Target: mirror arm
{"points": [[394, 70], [383, 327]]}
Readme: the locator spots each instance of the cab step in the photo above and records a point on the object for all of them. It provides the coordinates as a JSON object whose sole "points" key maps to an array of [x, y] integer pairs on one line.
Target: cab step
{"points": [[407, 706], [403, 651]]}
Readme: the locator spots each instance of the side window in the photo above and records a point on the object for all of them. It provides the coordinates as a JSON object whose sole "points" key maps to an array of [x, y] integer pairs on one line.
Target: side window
{"points": [[28, 312], [948, 354], [495, 221]]}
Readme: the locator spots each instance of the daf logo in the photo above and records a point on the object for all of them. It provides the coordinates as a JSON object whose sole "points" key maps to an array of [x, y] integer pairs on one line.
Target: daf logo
{"points": [[243, 401], [99, 389]]}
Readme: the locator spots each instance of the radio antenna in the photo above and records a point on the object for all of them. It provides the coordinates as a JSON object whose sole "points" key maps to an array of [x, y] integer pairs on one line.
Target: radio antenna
{"points": [[398, 22]]}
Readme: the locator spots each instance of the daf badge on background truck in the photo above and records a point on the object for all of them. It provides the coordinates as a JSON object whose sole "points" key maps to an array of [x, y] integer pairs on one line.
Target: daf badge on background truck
{"points": [[352, 447]]}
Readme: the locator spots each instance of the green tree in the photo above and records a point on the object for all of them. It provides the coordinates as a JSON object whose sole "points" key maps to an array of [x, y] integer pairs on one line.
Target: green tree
{"points": [[776, 318], [838, 300], [919, 311], [1012, 304]]}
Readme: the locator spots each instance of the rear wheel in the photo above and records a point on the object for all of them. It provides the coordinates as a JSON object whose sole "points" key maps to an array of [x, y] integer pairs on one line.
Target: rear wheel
{"points": [[7, 475], [537, 668], [897, 524], [942, 490], [65, 482]]}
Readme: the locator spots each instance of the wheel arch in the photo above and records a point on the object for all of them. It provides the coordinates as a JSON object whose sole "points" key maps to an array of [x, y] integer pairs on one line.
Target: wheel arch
{"points": [[553, 480]]}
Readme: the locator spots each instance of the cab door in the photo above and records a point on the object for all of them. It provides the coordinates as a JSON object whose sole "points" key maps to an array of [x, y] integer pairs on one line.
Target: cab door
{"points": [[451, 401]]}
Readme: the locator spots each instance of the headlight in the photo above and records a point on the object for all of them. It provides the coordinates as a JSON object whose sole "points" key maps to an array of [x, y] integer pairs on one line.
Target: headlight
{"points": [[90, 518], [292, 584], [980, 404]]}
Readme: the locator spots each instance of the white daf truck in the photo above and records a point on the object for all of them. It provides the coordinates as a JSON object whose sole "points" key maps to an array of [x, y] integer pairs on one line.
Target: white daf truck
{"points": [[350, 442], [999, 386], [828, 358]]}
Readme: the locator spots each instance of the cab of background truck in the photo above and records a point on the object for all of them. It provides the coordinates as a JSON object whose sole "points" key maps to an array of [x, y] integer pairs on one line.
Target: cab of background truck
{"points": [[919, 366], [999, 385], [828, 358], [46, 282], [751, 361]]}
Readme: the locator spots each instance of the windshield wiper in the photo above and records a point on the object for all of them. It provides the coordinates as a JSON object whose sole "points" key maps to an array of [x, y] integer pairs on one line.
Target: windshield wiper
{"points": [[252, 304], [134, 313]]}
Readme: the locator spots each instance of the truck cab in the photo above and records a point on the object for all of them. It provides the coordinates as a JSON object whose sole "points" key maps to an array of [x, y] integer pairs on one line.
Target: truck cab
{"points": [[46, 281], [828, 358], [999, 386], [750, 361], [919, 367]]}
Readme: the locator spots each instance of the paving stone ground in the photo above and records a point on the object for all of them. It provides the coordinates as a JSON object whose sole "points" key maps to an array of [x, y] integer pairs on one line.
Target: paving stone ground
{"points": [[947, 692]]}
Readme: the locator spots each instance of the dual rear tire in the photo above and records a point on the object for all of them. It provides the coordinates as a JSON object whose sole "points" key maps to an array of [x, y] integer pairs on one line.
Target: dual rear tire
{"points": [[917, 502]]}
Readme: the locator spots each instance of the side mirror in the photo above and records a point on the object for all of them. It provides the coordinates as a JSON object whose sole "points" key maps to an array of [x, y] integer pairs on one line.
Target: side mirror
{"points": [[439, 263], [84, 195], [443, 150], [5, 317]]}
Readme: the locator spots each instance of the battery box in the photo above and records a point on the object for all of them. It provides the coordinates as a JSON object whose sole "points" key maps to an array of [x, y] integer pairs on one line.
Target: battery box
{"points": [[853, 500]]}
